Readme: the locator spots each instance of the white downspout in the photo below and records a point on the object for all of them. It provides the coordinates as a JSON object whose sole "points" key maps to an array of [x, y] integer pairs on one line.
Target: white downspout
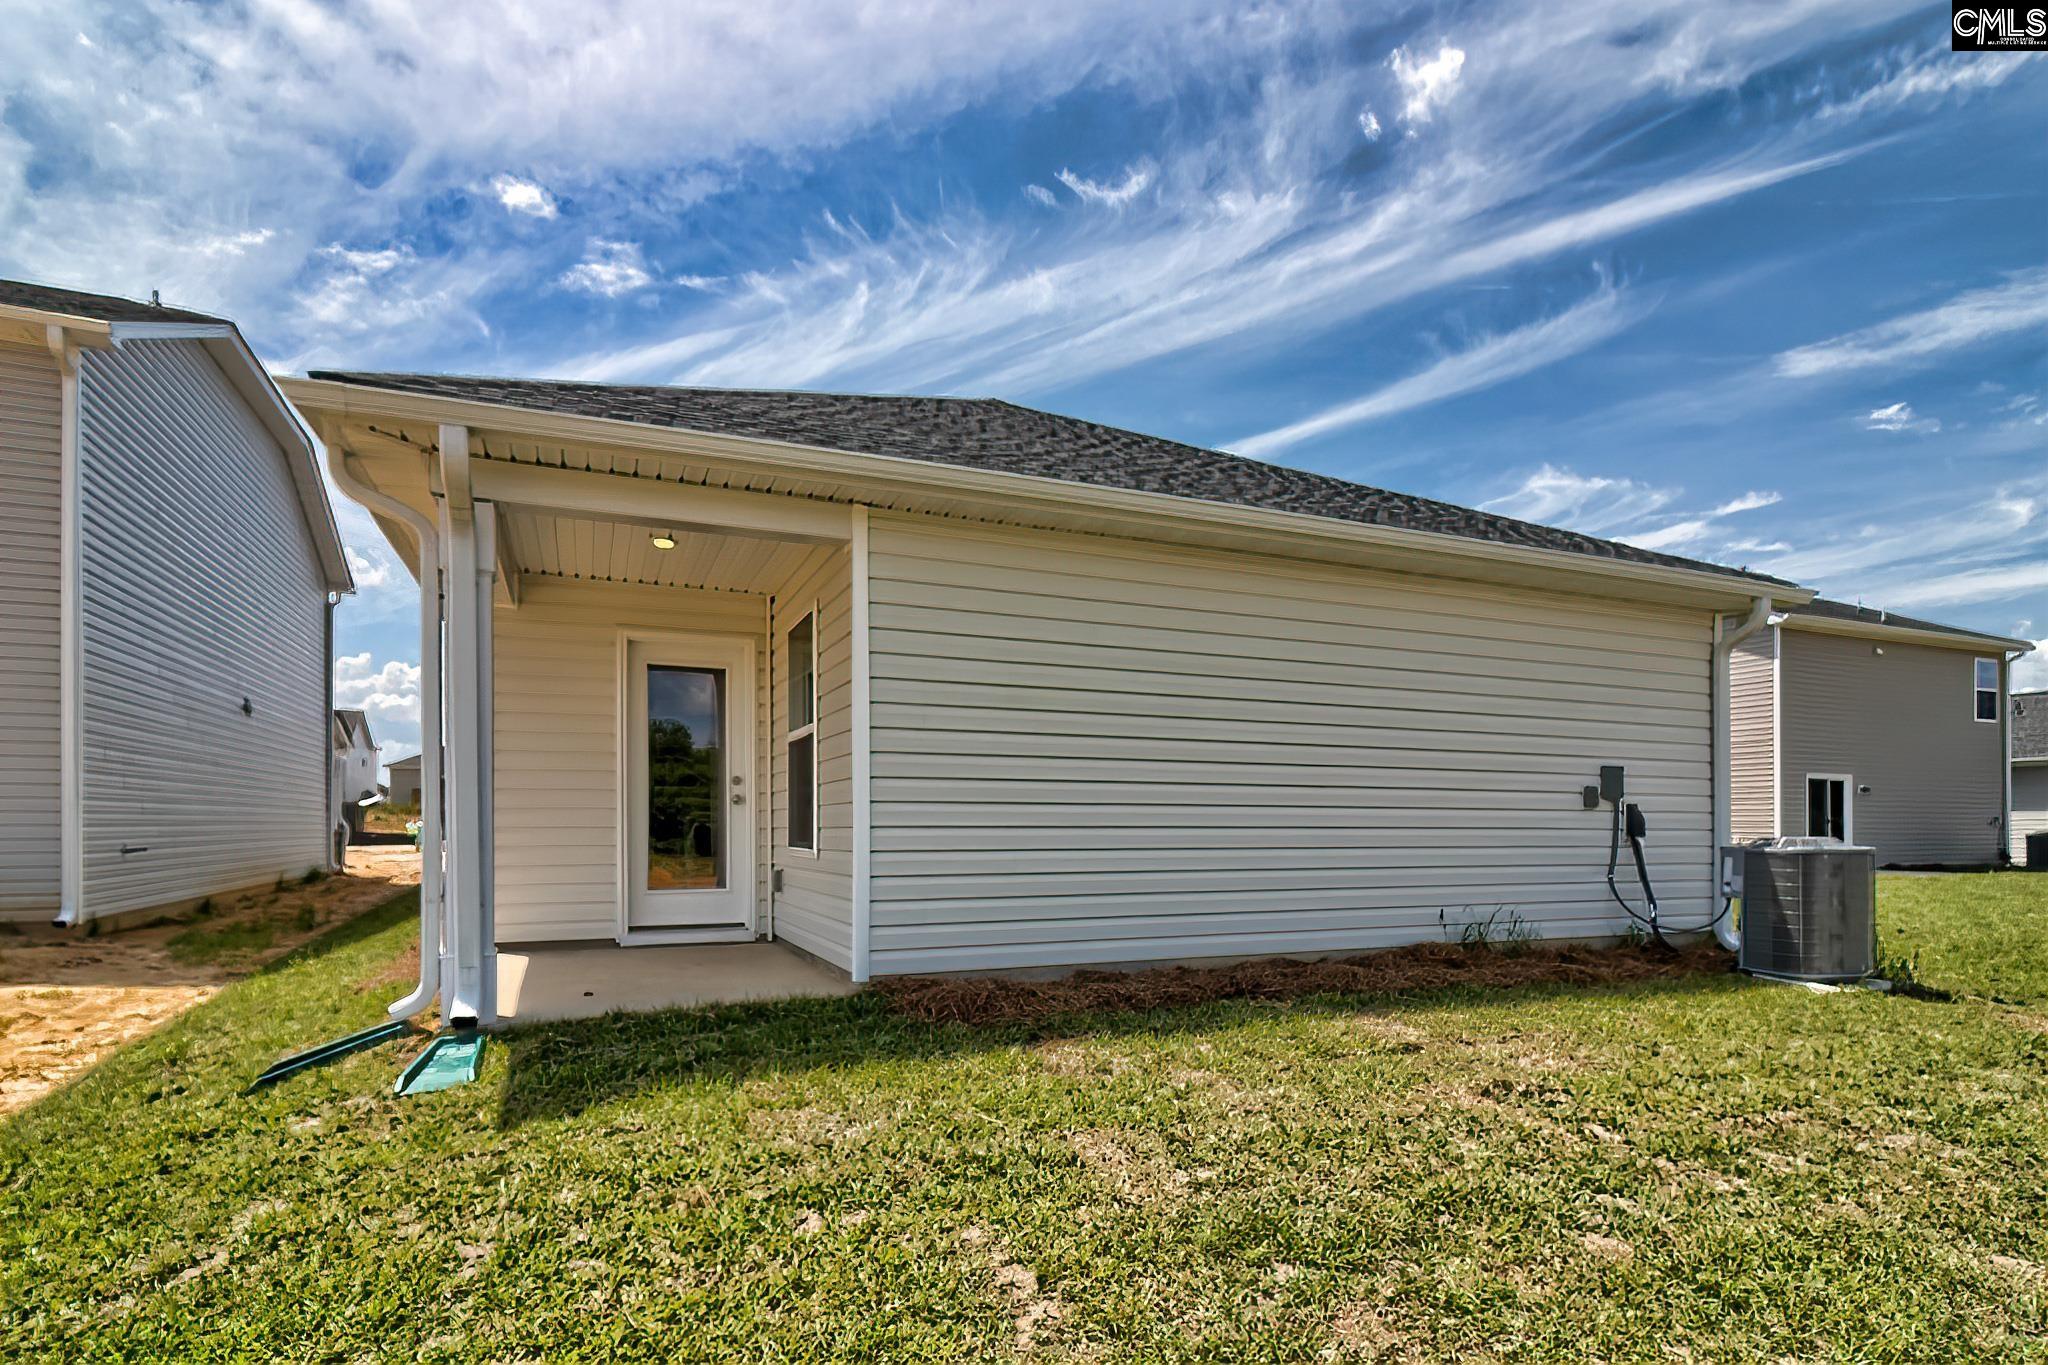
{"points": [[1724, 645], [422, 528], [2012, 656], [70, 645]]}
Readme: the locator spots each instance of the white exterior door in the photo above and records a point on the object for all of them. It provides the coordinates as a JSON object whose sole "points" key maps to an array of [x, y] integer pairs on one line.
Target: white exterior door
{"points": [[689, 807]]}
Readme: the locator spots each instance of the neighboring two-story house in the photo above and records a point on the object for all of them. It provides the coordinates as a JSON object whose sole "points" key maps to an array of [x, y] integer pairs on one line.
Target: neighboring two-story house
{"points": [[168, 563], [1876, 728]]}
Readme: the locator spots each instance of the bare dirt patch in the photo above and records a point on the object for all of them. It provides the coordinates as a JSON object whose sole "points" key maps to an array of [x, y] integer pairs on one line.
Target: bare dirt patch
{"points": [[67, 1000], [1422, 966], [1033, 1312]]}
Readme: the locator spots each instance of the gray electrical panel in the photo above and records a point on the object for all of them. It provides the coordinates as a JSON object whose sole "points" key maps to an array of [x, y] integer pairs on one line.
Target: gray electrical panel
{"points": [[1809, 908]]}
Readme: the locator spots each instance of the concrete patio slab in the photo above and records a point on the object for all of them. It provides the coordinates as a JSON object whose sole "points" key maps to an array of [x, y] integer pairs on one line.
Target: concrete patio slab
{"points": [[537, 984]]}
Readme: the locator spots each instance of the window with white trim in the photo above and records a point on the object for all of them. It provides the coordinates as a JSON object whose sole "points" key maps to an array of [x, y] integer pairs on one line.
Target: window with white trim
{"points": [[1987, 690], [803, 734]]}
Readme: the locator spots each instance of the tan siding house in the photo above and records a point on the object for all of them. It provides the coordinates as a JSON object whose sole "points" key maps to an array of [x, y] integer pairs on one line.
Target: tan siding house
{"points": [[31, 638], [922, 685], [1884, 730], [172, 558], [1753, 737]]}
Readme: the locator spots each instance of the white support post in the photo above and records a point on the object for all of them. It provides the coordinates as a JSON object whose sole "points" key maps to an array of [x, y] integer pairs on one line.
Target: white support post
{"points": [[487, 862], [463, 995], [862, 832]]}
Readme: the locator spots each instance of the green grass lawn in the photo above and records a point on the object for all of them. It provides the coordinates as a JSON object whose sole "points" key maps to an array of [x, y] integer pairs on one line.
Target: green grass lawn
{"points": [[1708, 1170]]}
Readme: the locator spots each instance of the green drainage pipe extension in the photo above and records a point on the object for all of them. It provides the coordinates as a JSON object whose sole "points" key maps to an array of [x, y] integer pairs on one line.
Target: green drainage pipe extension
{"points": [[452, 1059], [330, 1052]]}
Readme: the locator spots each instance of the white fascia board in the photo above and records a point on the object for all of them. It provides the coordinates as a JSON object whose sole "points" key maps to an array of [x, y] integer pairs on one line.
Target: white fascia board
{"points": [[891, 474], [1876, 630]]}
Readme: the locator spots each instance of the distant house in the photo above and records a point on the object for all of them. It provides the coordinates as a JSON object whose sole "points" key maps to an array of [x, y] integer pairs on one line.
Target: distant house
{"points": [[167, 557], [1873, 727], [355, 767], [404, 786], [2029, 770]]}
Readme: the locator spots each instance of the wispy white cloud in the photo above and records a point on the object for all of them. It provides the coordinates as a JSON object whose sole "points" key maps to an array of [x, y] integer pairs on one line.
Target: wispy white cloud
{"points": [[1369, 124], [233, 243], [1900, 417], [1965, 547], [1971, 585], [523, 196], [1628, 510], [1749, 502], [1969, 319], [609, 269], [1039, 194], [1928, 77], [1489, 361], [1136, 179], [1594, 503], [1426, 82]]}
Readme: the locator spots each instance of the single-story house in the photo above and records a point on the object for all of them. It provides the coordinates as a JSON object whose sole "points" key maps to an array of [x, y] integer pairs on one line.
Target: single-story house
{"points": [[1875, 728], [355, 768], [168, 563], [951, 685], [2029, 728], [403, 789]]}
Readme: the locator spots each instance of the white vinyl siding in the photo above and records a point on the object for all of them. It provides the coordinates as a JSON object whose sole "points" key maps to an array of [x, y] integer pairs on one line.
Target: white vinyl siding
{"points": [[1752, 736], [200, 589], [1097, 751], [31, 418], [557, 775], [814, 909]]}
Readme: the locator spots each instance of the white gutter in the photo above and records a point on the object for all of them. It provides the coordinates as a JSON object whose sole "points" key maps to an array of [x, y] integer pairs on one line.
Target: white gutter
{"points": [[1724, 644], [70, 642], [430, 718]]}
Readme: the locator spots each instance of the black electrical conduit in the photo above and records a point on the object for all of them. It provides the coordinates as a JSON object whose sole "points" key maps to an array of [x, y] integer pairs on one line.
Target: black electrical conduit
{"points": [[1637, 827]]}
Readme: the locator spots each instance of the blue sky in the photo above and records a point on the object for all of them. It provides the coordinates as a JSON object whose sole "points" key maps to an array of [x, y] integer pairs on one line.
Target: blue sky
{"points": [[1760, 283]]}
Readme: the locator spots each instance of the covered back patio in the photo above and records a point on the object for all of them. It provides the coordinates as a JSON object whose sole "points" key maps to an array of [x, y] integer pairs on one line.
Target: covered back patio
{"points": [[638, 695]]}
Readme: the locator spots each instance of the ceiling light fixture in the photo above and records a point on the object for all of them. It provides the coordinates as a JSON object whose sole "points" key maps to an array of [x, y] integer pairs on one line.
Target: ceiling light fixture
{"points": [[662, 540]]}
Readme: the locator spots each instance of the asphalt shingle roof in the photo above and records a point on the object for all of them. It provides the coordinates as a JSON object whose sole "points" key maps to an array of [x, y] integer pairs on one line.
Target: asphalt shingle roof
{"points": [[1875, 616], [993, 435], [2030, 725], [98, 307]]}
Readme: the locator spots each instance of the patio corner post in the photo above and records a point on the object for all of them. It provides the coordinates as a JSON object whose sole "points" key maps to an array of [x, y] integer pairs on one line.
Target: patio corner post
{"points": [[465, 997], [863, 837]]}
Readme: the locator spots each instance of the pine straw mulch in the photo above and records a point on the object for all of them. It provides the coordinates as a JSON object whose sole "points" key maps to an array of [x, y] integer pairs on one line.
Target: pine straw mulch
{"points": [[1422, 966]]}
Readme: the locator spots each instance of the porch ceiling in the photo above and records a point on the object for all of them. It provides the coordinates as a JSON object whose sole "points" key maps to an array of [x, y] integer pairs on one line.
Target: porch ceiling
{"points": [[615, 551]]}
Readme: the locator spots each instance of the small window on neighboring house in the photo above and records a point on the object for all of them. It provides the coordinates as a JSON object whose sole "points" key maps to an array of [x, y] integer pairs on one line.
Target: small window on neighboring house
{"points": [[1987, 689], [803, 734]]}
